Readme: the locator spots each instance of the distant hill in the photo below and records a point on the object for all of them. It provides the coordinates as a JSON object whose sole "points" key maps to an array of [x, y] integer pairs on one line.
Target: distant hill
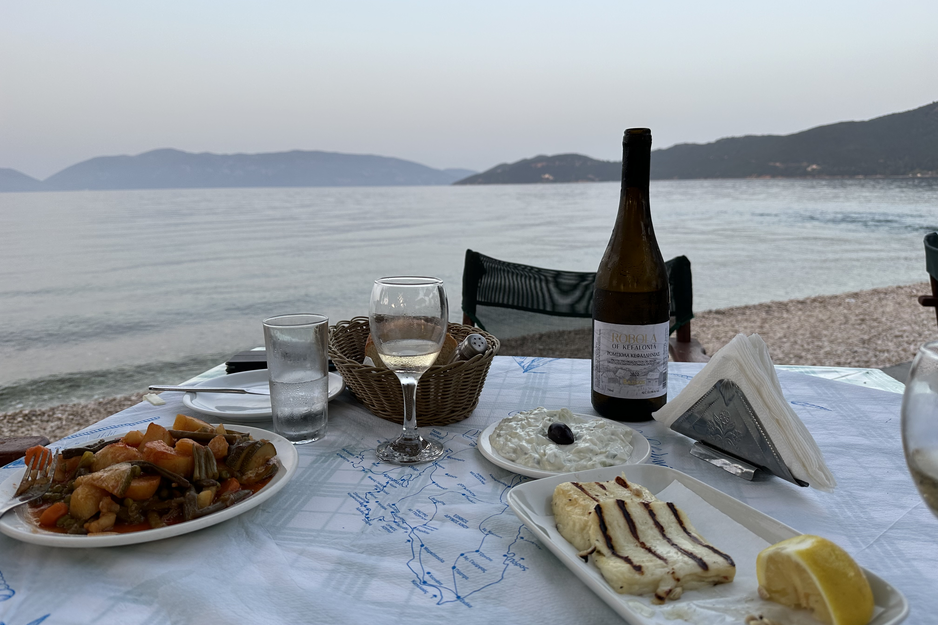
{"points": [[901, 144], [174, 169], [12, 180], [559, 168]]}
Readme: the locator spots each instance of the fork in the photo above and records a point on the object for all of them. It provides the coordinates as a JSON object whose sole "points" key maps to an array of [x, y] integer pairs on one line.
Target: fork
{"points": [[36, 481], [213, 389]]}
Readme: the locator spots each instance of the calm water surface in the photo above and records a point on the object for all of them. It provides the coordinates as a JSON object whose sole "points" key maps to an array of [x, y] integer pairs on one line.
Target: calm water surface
{"points": [[102, 293]]}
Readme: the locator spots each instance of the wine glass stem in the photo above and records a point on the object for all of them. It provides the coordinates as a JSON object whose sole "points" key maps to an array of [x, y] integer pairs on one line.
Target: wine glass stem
{"points": [[409, 387]]}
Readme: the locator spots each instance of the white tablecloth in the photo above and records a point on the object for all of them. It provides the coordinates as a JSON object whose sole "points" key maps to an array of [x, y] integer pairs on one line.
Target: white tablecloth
{"points": [[350, 540]]}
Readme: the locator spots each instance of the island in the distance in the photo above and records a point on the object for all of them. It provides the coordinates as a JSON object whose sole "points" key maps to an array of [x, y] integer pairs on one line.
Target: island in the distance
{"points": [[897, 145], [175, 169]]}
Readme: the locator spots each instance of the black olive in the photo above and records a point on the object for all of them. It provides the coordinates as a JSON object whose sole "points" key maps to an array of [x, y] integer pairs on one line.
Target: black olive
{"points": [[560, 433]]}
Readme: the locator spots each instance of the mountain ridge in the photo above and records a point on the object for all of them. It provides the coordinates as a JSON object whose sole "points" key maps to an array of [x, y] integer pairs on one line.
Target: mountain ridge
{"points": [[901, 144], [894, 145], [169, 168], [545, 169], [12, 180]]}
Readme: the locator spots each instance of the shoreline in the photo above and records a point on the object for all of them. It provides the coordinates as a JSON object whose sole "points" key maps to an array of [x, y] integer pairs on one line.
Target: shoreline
{"points": [[876, 328], [59, 421]]}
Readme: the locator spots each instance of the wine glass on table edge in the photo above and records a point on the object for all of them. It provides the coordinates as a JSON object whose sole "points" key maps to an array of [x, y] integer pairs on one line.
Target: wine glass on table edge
{"points": [[408, 319], [920, 423]]}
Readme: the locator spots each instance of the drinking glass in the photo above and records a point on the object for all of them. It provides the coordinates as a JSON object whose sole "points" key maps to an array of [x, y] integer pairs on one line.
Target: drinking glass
{"points": [[408, 319], [297, 365], [920, 423]]}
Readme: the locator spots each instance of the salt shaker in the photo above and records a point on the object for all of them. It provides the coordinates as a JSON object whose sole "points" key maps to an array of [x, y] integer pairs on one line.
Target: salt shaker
{"points": [[472, 345]]}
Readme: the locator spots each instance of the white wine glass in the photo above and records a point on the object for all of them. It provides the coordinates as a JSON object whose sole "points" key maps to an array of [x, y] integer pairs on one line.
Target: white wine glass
{"points": [[920, 423], [408, 320]]}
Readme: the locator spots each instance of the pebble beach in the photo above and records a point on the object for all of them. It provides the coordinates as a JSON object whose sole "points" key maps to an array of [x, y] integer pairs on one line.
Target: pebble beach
{"points": [[877, 328]]}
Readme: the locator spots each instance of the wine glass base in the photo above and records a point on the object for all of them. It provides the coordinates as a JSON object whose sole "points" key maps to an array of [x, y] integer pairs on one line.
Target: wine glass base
{"points": [[409, 451]]}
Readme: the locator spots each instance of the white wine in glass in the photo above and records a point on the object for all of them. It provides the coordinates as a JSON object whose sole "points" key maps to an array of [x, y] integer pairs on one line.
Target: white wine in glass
{"points": [[408, 320], [920, 423]]}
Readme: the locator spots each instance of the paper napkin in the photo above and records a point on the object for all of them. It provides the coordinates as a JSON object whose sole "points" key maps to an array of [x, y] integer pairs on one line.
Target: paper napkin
{"points": [[774, 434]]}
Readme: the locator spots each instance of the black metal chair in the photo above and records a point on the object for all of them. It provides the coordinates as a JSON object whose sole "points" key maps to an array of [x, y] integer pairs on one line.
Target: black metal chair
{"points": [[931, 266], [510, 299]]}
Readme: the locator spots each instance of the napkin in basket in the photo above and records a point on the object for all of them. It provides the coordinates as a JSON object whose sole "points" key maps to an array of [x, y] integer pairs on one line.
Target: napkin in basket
{"points": [[772, 435]]}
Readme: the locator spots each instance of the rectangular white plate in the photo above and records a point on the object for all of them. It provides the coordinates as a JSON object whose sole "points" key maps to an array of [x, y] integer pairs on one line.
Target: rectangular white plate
{"points": [[531, 502]]}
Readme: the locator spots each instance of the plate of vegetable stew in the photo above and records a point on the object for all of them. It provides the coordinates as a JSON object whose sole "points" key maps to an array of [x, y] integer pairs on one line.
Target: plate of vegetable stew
{"points": [[171, 508]]}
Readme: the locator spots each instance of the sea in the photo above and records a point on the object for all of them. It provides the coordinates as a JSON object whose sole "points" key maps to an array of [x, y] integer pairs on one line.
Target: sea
{"points": [[105, 292]]}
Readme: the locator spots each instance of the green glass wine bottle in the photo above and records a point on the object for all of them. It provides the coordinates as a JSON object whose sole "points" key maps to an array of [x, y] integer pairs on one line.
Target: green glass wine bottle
{"points": [[631, 301]]}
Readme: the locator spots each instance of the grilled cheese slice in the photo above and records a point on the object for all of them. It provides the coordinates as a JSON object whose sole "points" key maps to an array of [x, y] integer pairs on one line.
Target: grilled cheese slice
{"points": [[646, 547], [573, 502]]}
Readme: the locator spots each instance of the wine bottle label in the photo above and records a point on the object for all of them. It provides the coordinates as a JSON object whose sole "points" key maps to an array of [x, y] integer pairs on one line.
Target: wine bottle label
{"points": [[630, 362]]}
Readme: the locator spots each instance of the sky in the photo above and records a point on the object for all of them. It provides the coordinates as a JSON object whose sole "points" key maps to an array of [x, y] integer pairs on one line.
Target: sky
{"points": [[445, 84]]}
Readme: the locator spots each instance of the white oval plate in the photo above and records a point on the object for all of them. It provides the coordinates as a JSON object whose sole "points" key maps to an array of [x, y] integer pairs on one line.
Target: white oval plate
{"points": [[243, 408], [641, 450], [15, 524]]}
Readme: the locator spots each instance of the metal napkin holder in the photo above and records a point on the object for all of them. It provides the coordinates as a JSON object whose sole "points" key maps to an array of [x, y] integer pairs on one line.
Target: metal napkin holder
{"points": [[730, 435]]}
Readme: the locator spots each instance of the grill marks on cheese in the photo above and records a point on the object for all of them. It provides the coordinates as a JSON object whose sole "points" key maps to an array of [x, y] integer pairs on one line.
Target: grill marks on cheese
{"points": [[607, 536], [679, 516], [573, 502], [641, 545]]}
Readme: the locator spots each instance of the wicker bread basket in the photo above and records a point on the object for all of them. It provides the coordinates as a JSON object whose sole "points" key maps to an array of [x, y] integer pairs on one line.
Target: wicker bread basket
{"points": [[445, 394]]}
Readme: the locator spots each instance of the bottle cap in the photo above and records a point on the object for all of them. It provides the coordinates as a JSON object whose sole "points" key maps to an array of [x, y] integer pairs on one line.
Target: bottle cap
{"points": [[636, 135]]}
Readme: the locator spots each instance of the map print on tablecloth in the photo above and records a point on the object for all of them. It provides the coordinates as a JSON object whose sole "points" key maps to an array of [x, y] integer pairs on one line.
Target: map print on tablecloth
{"points": [[5, 591], [422, 504], [529, 364]]}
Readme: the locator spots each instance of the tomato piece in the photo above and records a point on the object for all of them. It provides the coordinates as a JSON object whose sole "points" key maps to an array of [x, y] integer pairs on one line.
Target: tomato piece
{"points": [[231, 485], [53, 513]]}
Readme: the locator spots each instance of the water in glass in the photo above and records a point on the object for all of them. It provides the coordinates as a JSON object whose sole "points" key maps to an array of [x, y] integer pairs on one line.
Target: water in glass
{"points": [[300, 416]]}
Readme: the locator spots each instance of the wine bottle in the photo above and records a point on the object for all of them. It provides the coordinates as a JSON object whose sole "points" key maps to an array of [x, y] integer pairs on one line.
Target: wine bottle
{"points": [[631, 301]]}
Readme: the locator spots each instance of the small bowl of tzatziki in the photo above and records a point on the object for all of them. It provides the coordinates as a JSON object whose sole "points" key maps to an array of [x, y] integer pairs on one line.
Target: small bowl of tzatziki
{"points": [[541, 443]]}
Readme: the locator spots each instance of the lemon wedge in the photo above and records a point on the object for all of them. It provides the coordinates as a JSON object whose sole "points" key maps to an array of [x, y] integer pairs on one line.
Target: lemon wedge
{"points": [[812, 572]]}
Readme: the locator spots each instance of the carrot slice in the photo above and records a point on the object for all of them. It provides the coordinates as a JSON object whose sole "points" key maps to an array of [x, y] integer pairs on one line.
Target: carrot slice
{"points": [[44, 456], [53, 513]]}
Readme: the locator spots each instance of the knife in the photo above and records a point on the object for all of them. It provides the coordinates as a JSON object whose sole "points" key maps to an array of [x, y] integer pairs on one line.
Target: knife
{"points": [[212, 389]]}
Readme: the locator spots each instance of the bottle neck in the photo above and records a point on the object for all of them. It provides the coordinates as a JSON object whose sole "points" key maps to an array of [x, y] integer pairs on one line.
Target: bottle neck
{"points": [[632, 262], [634, 212], [636, 164], [634, 234]]}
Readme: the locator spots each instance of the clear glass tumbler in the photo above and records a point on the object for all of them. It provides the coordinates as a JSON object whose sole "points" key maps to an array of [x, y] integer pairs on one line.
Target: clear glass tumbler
{"points": [[298, 366], [920, 423]]}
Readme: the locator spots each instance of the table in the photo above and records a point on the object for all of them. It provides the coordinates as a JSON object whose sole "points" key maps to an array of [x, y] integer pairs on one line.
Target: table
{"points": [[350, 540]]}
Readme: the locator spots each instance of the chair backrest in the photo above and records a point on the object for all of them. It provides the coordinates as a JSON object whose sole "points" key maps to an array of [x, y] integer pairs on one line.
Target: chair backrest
{"points": [[931, 266], [931, 254], [511, 299], [514, 299]]}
